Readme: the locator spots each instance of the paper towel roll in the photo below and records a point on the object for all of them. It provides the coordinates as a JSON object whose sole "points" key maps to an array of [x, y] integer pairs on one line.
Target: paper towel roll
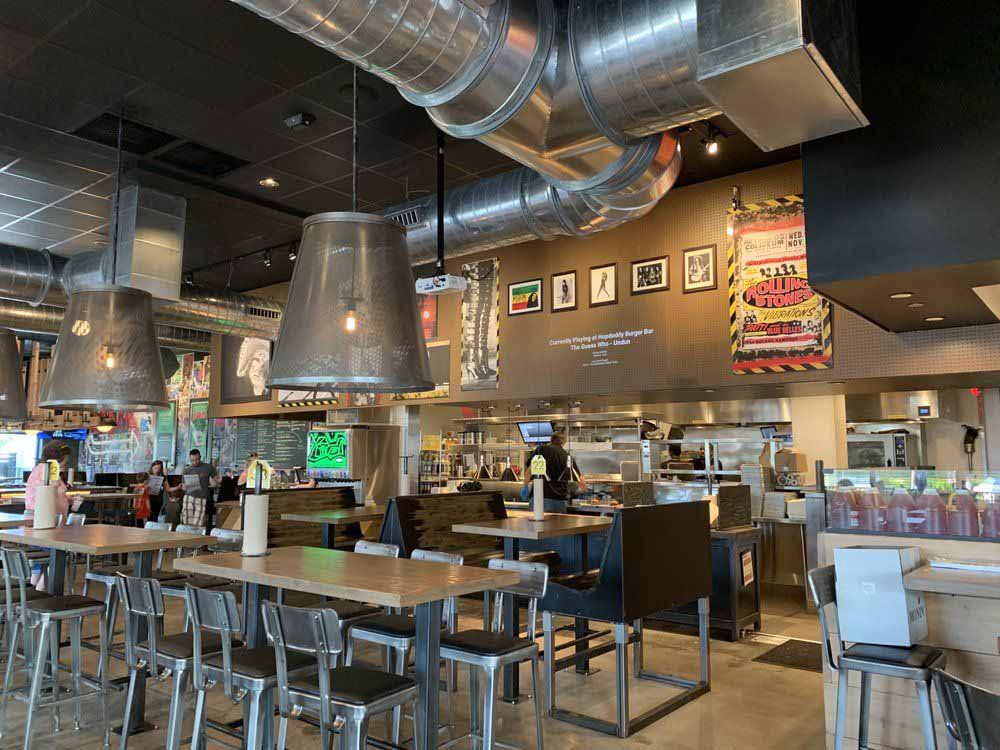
{"points": [[255, 525], [45, 507], [70, 475], [538, 503]]}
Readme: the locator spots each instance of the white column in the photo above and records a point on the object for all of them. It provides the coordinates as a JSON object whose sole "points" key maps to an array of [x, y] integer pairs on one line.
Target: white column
{"points": [[819, 429]]}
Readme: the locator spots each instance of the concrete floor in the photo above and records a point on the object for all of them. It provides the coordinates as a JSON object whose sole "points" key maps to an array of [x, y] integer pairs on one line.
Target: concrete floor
{"points": [[751, 706]]}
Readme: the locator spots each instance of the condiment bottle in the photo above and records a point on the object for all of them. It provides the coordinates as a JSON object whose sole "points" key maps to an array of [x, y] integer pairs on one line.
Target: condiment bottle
{"points": [[900, 507], [931, 514], [871, 511], [963, 518], [843, 509]]}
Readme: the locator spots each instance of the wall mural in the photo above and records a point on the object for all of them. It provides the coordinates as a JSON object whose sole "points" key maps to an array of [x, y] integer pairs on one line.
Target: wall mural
{"points": [[777, 322], [481, 325], [245, 362]]}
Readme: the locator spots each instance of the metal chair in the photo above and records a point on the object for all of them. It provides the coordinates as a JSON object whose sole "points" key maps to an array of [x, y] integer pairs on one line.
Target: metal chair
{"points": [[245, 673], [398, 633], [46, 614], [915, 663], [143, 603], [491, 651], [354, 693], [227, 540], [971, 713]]}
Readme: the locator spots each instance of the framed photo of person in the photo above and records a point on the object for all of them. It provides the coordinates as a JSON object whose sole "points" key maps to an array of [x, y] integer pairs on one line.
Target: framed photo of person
{"points": [[564, 291], [700, 272], [604, 285], [524, 297], [245, 362], [651, 275]]}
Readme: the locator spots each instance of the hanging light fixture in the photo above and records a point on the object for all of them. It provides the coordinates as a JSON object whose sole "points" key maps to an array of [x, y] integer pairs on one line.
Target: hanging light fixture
{"points": [[13, 407], [352, 322], [106, 357]]}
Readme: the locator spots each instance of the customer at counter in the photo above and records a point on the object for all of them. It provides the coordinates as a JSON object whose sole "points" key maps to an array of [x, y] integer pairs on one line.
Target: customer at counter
{"points": [[555, 488]]}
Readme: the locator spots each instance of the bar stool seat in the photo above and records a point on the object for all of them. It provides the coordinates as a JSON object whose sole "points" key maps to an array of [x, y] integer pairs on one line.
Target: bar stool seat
{"points": [[257, 663], [181, 645], [70, 605], [108, 573], [912, 663], [356, 686], [30, 594], [349, 610], [391, 626], [483, 643]]}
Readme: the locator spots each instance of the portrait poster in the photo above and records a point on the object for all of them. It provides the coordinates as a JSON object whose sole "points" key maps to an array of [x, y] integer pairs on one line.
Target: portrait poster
{"points": [[778, 323], [245, 362], [651, 275], [524, 297], [604, 285], [564, 291], [481, 325], [198, 426]]}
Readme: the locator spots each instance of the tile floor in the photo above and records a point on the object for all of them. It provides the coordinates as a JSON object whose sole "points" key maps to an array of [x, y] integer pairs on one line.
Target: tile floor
{"points": [[751, 706]]}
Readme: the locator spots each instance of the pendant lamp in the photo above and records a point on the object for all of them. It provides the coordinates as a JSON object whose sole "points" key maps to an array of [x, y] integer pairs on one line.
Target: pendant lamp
{"points": [[351, 323], [106, 357], [13, 407]]}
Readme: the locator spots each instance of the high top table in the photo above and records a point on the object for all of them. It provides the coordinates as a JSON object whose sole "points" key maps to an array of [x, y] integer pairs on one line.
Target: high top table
{"points": [[331, 519], [12, 520], [381, 581], [103, 539], [520, 525]]}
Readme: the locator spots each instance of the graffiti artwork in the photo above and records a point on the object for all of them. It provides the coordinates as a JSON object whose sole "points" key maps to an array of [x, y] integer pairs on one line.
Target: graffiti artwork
{"points": [[327, 450]]}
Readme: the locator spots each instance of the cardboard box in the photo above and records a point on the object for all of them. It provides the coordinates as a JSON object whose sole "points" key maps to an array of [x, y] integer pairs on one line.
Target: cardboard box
{"points": [[789, 460], [872, 604]]}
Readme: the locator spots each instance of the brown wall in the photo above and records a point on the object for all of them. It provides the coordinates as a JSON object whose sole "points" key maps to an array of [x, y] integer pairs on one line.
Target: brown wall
{"points": [[689, 350]]}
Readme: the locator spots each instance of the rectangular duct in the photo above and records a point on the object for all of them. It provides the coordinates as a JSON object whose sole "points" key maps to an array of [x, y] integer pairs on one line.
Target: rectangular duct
{"points": [[784, 71], [151, 246]]}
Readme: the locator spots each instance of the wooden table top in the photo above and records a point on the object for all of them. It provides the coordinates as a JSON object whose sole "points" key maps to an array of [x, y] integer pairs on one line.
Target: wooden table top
{"points": [[982, 584], [382, 581], [339, 516], [522, 526], [102, 539], [11, 520]]}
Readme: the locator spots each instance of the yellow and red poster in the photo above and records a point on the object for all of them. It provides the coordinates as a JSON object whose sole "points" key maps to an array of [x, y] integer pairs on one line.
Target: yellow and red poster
{"points": [[777, 322]]}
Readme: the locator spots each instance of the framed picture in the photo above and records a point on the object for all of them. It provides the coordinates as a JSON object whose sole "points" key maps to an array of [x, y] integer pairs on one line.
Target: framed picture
{"points": [[564, 291], [651, 275], [524, 297], [198, 426], [245, 362], [604, 285], [699, 269]]}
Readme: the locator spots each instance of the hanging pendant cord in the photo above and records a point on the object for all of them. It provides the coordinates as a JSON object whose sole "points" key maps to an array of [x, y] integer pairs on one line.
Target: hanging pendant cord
{"points": [[440, 202], [354, 143], [118, 194]]}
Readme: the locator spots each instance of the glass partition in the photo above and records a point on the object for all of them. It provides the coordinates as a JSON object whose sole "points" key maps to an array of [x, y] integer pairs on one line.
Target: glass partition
{"points": [[960, 504]]}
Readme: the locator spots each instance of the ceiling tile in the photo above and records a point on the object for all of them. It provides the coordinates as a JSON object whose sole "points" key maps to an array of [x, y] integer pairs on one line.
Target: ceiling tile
{"points": [[221, 85], [373, 147], [13, 46], [319, 199], [34, 228], [36, 18], [418, 172], [17, 206], [372, 188], [64, 74], [44, 106], [270, 115], [248, 180], [333, 90], [475, 157], [407, 124], [69, 219], [311, 164], [19, 187], [54, 172]]}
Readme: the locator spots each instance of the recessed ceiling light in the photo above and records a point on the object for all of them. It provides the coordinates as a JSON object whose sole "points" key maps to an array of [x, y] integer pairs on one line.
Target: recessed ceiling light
{"points": [[915, 305], [934, 319], [709, 390], [270, 183], [901, 295]]}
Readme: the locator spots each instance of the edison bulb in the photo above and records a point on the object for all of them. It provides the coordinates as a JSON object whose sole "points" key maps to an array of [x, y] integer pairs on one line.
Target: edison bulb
{"points": [[351, 321], [712, 147], [109, 361]]}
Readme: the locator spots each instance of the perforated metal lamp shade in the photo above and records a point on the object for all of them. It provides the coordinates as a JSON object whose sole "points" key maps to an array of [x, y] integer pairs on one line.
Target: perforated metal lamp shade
{"points": [[351, 263], [13, 406], [107, 356]]}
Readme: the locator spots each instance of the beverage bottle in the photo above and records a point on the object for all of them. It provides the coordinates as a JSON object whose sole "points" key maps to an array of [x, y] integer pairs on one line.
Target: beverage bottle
{"points": [[963, 518], [931, 514], [900, 508], [842, 508], [991, 518], [871, 511]]}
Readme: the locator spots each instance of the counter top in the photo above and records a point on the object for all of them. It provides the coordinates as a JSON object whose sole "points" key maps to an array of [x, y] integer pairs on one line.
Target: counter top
{"points": [[981, 584]]}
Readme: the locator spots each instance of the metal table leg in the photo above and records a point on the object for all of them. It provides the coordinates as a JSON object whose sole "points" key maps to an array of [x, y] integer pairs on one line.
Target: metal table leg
{"points": [[427, 670], [581, 626], [256, 637], [329, 535], [512, 627]]}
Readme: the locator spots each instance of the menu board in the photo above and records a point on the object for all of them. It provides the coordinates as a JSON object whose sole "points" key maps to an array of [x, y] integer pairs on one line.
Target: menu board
{"points": [[282, 443], [265, 439], [290, 445], [246, 438]]}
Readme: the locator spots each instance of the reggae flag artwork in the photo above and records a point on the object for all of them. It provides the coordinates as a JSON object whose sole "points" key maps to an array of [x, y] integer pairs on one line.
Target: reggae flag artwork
{"points": [[777, 322]]}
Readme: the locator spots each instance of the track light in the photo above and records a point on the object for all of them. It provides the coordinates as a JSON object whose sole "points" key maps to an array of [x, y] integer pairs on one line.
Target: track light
{"points": [[189, 278], [711, 141], [267, 259], [293, 253]]}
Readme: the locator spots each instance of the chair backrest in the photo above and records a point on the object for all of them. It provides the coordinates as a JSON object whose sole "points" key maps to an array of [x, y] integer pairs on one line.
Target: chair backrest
{"points": [[424, 521], [306, 631], [534, 578], [364, 547], [823, 587], [16, 574], [157, 525], [76, 519], [142, 600], [187, 528], [970, 712], [449, 613], [227, 535], [214, 612]]}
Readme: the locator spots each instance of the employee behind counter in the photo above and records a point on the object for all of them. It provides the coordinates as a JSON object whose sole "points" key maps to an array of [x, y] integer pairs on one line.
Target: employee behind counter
{"points": [[555, 487]]}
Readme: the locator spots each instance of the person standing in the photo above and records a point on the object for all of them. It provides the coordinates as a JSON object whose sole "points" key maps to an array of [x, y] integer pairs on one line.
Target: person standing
{"points": [[197, 485], [555, 488], [156, 486]]}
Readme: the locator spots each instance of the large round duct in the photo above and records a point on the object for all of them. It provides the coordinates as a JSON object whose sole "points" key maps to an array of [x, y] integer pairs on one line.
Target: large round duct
{"points": [[106, 357], [13, 406], [351, 323]]}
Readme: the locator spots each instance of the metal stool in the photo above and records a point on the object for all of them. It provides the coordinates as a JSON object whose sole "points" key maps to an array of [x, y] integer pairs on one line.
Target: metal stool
{"points": [[915, 663], [143, 602], [970, 712], [354, 693], [47, 614], [245, 673], [491, 651], [398, 633]]}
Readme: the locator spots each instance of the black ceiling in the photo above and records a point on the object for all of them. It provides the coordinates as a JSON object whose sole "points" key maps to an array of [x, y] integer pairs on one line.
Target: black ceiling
{"points": [[214, 83]]}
